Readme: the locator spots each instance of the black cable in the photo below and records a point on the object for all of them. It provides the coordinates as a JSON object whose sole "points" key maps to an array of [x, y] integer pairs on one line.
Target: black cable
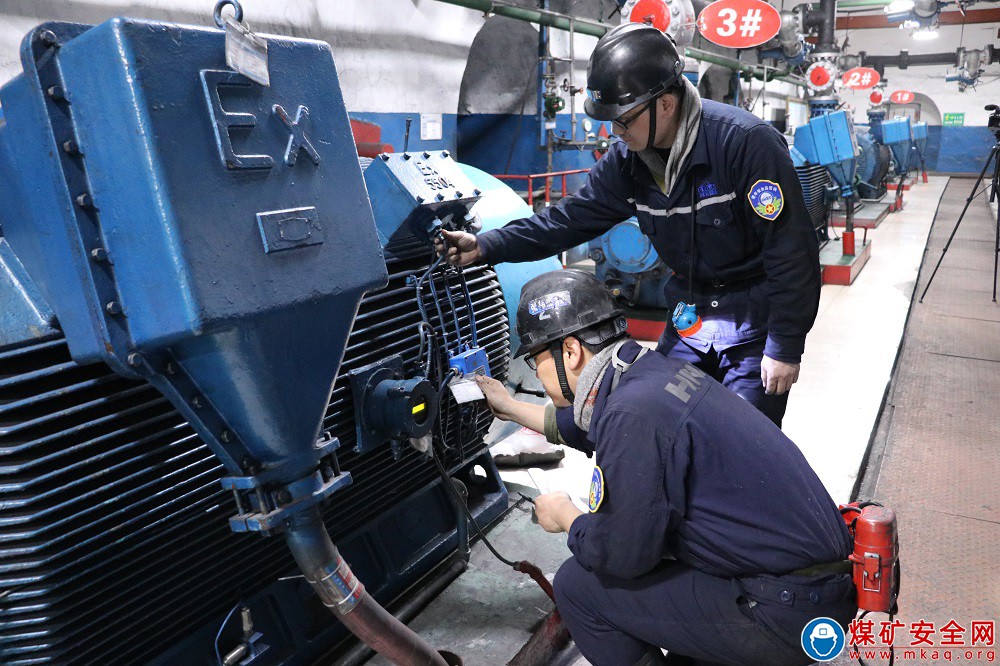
{"points": [[472, 311], [218, 655], [447, 482], [454, 312], [440, 312], [419, 286], [440, 428]]}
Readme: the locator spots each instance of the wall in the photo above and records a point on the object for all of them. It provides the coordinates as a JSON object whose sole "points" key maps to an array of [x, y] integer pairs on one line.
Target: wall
{"points": [[950, 149], [396, 58], [401, 58]]}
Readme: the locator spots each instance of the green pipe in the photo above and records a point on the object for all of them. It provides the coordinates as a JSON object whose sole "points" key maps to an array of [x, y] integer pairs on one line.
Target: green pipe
{"points": [[548, 19], [863, 3], [594, 29]]}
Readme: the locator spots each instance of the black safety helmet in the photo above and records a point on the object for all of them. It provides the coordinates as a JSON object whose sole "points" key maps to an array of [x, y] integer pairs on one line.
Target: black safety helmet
{"points": [[565, 302], [631, 64], [561, 303]]}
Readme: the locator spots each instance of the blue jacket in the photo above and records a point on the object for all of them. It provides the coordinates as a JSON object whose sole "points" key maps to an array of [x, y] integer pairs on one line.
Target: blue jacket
{"points": [[693, 472], [753, 277]]}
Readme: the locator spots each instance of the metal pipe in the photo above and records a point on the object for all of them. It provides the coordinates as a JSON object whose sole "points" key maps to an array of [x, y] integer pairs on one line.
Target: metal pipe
{"points": [[428, 589], [925, 8], [560, 21], [339, 590], [788, 35], [906, 59], [542, 17], [758, 71], [827, 36]]}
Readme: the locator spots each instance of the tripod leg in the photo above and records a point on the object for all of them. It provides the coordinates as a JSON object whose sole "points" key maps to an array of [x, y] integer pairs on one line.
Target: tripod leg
{"points": [[972, 195], [996, 244]]}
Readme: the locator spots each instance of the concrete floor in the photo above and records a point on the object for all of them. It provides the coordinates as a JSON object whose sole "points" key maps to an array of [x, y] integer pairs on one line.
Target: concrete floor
{"points": [[832, 415]]}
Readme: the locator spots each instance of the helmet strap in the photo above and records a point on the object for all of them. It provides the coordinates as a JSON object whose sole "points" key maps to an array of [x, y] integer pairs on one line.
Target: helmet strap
{"points": [[555, 348], [652, 123]]}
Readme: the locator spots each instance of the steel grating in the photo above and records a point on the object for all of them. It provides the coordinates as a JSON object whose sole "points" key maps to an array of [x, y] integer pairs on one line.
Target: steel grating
{"points": [[935, 449], [114, 539]]}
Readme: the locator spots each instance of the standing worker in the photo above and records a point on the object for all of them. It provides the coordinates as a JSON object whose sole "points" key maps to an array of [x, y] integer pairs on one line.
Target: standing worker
{"points": [[708, 533], [746, 258]]}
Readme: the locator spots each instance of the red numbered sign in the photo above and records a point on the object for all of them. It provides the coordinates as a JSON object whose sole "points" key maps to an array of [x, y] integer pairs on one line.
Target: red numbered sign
{"points": [[901, 97], [654, 12], [860, 78], [739, 24]]}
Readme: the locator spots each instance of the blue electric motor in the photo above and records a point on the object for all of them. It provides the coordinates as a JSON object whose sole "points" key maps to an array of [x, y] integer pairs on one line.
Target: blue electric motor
{"points": [[896, 134], [829, 141], [625, 261], [212, 237]]}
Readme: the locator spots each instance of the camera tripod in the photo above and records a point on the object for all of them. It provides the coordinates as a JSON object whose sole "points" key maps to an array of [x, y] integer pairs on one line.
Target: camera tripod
{"points": [[993, 159]]}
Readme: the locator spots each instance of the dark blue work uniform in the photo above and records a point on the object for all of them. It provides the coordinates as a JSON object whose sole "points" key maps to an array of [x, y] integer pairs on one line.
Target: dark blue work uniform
{"points": [[756, 280], [704, 509]]}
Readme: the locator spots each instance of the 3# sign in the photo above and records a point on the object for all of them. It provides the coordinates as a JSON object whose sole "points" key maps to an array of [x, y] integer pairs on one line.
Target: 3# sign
{"points": [[739, 24]]}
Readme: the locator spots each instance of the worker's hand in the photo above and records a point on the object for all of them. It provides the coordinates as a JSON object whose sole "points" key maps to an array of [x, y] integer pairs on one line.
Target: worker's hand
{"points": [[459, 248], [555, 512], [501, 403], [777, 376]]}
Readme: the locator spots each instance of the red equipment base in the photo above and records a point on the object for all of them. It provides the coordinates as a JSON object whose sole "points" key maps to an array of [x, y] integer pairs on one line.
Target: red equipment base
{"points": [[907, 184], [840, 268]]}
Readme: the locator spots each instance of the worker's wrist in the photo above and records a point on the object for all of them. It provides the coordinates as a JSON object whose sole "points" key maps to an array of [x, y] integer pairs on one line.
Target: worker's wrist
{"points": [[784, 348], [567, 513], [488, 246]]}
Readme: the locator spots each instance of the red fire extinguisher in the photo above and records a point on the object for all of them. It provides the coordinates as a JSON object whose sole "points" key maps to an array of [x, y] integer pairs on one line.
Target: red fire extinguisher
{"points": [[875, 556]]}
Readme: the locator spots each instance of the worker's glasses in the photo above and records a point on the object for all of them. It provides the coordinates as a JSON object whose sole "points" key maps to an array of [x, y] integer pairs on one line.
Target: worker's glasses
{"points": [[621, 123], [532, 361]]}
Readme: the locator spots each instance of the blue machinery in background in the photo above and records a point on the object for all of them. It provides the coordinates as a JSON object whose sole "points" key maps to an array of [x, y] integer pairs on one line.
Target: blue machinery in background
{"points": [[897, 135], [829, 140], [194, 231]]}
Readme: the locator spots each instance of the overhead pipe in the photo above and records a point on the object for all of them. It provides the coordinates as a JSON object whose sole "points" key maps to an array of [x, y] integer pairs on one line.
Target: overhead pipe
{"points": [[827, 28], [905, 59], [339, 590], [788, 35], [758, 71], [541, 17], [583, 26]]}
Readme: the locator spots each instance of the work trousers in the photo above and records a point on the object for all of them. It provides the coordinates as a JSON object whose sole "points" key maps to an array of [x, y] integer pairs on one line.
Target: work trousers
{"points": [[708, 619], [736, 367]]}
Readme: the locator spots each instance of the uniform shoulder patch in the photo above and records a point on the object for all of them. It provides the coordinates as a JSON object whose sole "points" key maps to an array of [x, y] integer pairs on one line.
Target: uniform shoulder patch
{"points": [[596, 490], [766, 199]]}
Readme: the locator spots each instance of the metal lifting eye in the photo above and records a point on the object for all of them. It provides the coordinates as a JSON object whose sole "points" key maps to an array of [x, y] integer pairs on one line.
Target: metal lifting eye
{"points": [[219, 21]]}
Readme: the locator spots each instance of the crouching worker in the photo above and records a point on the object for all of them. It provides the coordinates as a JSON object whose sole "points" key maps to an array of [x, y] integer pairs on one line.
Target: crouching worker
{"points": [[708, 533]]}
